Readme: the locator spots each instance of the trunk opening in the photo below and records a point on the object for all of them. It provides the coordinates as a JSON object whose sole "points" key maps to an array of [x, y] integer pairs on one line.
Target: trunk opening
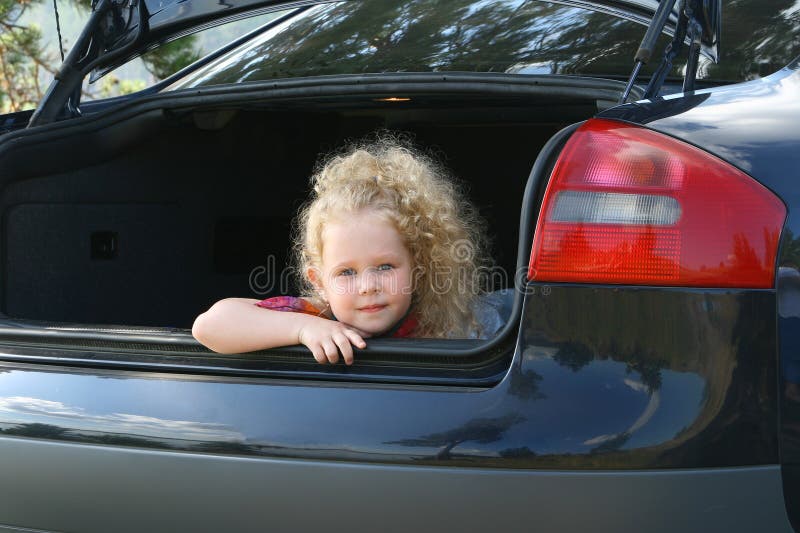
{"points": [[145, 216]]}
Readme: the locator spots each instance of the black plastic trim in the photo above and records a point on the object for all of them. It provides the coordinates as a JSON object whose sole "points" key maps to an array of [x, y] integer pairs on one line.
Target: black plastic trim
{"points": [[358, 85]]}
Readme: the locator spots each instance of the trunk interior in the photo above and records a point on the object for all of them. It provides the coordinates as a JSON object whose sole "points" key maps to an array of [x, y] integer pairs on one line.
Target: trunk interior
{"points": [[148, 221]]}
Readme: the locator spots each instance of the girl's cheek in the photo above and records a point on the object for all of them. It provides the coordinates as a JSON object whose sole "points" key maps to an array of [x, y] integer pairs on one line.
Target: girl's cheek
{"points": [[345, 284], [400, 281], [390, 282]]}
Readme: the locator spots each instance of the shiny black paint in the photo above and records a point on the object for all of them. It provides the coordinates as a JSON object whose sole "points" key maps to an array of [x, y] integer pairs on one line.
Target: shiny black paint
{"points": [[754, 126], [599, 380], [501, 36], [789, 367]]}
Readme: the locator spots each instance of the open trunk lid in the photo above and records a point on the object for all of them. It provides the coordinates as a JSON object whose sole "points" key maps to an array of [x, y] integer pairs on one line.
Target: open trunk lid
{"points": [[138, 25], [118, 31]]}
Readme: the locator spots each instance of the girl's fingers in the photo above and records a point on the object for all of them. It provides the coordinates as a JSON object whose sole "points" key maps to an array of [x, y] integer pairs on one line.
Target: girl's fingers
{"points": [[319, 354], [342, 342], [344, 347], [331, 351], [355, 338]]}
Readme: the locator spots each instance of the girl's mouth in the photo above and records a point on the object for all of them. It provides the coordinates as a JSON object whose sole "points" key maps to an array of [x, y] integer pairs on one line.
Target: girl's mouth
{"points": [[372, 308]]}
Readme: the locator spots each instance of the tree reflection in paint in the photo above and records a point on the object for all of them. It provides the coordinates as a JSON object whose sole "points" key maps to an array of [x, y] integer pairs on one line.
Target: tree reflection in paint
{"points": [[757, 38], [478, 430]]}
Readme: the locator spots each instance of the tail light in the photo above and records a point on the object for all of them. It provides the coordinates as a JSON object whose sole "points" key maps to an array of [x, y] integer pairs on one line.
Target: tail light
{"points": [[627, 205]]}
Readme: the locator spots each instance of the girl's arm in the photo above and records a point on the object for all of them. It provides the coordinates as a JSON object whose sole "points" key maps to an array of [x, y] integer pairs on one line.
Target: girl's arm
{"points": [[236, 325]]}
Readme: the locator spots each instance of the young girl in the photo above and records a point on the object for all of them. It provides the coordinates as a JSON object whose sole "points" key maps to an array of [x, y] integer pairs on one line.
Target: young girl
{"points": [[386, 245]]}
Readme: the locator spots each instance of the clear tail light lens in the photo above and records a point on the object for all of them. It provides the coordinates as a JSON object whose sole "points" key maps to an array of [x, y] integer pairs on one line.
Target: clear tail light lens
{"points": [[627, 205]]}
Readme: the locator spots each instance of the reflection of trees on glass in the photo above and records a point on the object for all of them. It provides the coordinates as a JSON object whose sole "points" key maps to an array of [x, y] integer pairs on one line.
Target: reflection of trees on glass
{"points": [[758, 37], [422, 35], [479, 430], [26, 65], [498, 36], [171, 57]]}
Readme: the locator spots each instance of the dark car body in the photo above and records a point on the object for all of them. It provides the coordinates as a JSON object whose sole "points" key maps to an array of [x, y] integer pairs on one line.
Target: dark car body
{"points": [[600, 406]]}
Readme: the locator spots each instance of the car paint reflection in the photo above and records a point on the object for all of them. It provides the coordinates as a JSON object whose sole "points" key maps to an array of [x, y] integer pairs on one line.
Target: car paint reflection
{"points": [[593, 401], [511, 36]]}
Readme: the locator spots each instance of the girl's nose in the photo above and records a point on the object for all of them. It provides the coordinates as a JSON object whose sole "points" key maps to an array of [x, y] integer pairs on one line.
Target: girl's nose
{"points": [[369, 282]]}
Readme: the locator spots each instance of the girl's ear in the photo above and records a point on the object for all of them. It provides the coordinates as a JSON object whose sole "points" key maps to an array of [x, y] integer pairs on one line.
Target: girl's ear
{"points": [[315, 277]]}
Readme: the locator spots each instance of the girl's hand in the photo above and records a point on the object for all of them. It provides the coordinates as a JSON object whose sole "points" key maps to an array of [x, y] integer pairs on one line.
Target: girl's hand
{"points": [[327, 338]]}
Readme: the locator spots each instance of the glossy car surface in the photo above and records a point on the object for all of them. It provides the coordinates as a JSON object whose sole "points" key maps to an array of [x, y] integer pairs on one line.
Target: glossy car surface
{"points": [[601, 406]]}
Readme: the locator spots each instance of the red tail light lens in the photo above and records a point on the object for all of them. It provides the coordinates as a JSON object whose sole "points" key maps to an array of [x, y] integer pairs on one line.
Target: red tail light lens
{"points": [[627, 205]]}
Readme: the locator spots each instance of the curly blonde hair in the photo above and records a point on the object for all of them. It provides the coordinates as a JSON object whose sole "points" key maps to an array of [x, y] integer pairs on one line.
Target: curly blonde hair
{"points": [[441, 229]]}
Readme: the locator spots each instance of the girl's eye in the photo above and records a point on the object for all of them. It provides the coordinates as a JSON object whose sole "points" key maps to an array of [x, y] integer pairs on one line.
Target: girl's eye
{"points": [[385, 267], [346, 272]]}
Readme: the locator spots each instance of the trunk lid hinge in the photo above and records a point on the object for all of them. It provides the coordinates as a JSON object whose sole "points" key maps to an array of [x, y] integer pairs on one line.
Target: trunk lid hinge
{"points": [[109, 20], [697, 19]]}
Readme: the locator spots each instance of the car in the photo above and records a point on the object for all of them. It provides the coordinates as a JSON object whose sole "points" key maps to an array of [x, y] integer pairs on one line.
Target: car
{"points": [[644, 227]]}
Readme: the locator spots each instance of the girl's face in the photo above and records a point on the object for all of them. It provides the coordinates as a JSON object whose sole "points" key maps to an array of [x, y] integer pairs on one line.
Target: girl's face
{"points": [[366, 272]]}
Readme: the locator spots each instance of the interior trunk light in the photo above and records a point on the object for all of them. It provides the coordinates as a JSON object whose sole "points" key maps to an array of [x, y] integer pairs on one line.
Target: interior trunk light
{"points": [[627, 205]]}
